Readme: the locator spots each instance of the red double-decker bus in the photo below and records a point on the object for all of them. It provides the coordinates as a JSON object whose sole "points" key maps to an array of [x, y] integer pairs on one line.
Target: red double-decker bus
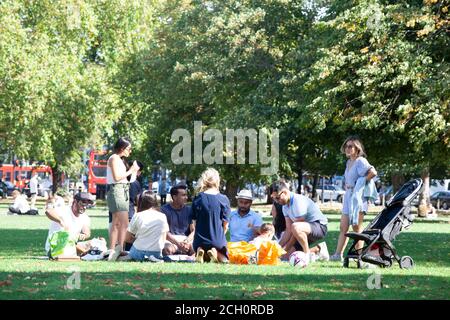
{"points": [[97, 173], [20, 175]]}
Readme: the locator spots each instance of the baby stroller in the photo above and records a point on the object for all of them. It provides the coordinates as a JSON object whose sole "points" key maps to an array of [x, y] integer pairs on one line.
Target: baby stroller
{"points": [[382, 231]]}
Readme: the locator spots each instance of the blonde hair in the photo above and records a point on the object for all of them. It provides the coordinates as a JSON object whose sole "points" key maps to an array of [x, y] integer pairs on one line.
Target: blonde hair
{"points": [[358, 145], [209, 178]]}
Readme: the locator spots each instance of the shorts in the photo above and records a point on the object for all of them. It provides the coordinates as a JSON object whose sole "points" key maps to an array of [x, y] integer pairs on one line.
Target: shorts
{"points": [[118, 197], [318, 232]]}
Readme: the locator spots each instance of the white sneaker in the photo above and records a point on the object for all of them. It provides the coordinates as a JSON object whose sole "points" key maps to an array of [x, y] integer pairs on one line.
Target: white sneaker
{"points": [[313, 257], [323, 253], [336, 257], [115, 254], [152, 258]]}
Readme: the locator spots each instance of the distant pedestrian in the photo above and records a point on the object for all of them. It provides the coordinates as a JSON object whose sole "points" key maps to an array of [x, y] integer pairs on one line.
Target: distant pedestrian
{"points": [[34, 189], [162, 190]]}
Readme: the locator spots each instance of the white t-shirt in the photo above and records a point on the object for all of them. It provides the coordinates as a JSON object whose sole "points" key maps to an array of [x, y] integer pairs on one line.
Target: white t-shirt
{"points": [[21, 203], [148, 228], [34, 185], [74, 223]]}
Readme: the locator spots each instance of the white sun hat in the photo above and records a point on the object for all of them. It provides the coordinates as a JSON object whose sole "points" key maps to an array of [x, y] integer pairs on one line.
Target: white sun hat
{"points": [[245, 194]]}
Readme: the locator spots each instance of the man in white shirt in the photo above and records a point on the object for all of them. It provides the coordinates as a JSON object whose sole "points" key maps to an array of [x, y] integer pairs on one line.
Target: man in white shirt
{"points": [[72, 219], [20, 205], [34, 189]]}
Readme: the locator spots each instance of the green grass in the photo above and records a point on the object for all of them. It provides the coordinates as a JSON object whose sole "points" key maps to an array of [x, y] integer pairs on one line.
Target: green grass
{"points": [[23, 276]]}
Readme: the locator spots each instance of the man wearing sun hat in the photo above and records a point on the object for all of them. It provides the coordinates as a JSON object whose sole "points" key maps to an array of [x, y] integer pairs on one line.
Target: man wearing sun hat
{"points": [[244, 222]]}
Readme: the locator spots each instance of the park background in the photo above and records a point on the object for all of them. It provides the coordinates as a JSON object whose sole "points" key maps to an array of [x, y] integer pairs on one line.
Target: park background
{"points": [[79, 74]]}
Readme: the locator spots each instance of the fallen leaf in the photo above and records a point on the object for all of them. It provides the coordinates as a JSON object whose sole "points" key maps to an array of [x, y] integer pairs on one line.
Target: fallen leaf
{"points": [[133, 295], [184, 285], [5, 283], [258, 293]]}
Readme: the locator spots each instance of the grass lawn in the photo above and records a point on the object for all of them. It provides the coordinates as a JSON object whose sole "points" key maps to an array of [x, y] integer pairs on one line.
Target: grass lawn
{"points": [[23, 276]]}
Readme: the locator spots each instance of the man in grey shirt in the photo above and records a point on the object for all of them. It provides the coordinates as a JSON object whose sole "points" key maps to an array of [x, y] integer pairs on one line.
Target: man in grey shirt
{"points": [[305, 223]]}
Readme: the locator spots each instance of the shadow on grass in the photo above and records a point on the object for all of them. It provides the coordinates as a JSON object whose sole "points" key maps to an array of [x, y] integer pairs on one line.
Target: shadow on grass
{"points": [[422, 247], [157, 283]]}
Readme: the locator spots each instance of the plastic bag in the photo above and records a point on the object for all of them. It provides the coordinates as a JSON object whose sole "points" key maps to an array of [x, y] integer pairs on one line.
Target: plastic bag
{"points": [[269, 253], [240, 252], [62, 244]]}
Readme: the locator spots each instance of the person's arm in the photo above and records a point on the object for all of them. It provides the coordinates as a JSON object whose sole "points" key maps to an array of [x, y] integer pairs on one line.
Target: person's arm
{"points": [[85, 233], [225, 226], [129, 237], [115, 163], [53, 215], [287, 233], [172, 239], [371, 173], [190, 237]]}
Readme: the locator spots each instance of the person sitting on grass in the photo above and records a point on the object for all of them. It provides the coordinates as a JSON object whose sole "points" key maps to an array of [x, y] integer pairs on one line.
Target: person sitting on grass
{"points": [[147, 230], [72, 219], [20, 205], [305, 223], [244, 222], [266, 233], [179, 217], [210, 212]]}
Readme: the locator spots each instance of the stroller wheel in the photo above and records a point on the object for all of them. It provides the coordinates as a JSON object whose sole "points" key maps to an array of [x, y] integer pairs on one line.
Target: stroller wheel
{"points": [[406, 262]]}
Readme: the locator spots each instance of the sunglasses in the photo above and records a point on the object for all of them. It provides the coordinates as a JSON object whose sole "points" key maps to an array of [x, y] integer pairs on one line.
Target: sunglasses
{"points": [[349, 146], [278, 196]]}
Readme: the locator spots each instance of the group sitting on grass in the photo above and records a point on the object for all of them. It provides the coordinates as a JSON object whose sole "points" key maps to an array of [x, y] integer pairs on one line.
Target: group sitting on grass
{"points": [[178, 232], [197, 233]]}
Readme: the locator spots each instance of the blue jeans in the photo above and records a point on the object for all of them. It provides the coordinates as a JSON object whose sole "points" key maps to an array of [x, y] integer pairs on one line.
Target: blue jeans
{"points": [[138, 255]]}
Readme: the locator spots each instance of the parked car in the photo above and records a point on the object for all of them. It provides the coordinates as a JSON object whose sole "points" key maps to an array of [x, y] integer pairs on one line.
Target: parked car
{"points": [[334, 193], [443, 197]]}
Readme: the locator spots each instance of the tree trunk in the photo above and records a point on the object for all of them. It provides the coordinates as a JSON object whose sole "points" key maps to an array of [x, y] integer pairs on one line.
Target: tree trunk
{"points": [[315, 182], [424, 197], [269, 193], [397, 181], [300, 173], [56, 179], [231, 191]]}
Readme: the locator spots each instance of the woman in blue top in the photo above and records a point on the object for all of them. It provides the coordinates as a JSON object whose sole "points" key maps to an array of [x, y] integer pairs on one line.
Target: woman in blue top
{"points": [[357, 166], [210, 212]]}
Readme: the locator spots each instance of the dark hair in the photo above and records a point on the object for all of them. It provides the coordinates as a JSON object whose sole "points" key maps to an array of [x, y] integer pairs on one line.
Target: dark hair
{"points": [[140, 164], [174, 189], [120, 145], [146, 200], [279, 222], [278, 186]]}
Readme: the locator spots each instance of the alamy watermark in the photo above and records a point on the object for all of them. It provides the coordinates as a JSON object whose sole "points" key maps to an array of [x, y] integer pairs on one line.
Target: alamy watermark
{"points": [[74, 281], [374, 281], [216, 152]]}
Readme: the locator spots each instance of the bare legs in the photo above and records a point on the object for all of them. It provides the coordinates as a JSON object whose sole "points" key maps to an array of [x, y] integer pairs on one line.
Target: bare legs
{"points": [[118, 229], [344, 226]]}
